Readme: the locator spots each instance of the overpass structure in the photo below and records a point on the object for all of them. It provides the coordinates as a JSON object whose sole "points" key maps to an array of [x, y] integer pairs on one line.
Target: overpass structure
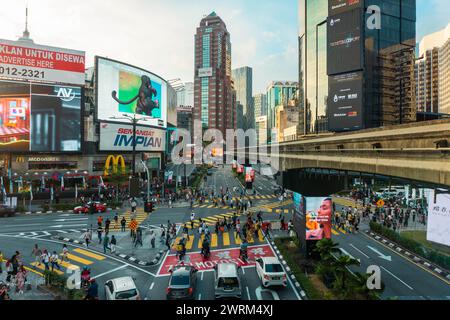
{"points": [[418, 152]]}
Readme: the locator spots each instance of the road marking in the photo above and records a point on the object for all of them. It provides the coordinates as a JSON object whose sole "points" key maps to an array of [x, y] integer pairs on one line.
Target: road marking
{"points": [[63, 220], [42, 267], [190, 242], [365, 255], [79, 259], [90, 254], [396, 277], [260, 290], [226, 239], [248, 293], [199, 296], [201, 278], [108, 272], [243, 272], [68, 225], [237, 238], [200, 242], [214, 240], [380, 255], [151, 286]]}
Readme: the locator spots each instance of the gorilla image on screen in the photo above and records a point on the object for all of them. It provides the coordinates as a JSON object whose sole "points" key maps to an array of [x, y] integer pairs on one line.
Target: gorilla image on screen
{"points": [[144, 97]]}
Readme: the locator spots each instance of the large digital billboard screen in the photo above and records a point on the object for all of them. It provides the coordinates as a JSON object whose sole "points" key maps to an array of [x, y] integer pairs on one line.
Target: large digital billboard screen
{"points": [[339, 6], [29, 61], [345, 47], [319, 212], [345, 102], [38, 117], [124, 90], [438, 225], [119, 137]]}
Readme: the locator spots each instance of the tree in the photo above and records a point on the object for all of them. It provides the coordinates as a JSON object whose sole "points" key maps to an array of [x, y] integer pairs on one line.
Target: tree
{"points": [[325, 248], [117, 179], [340, 272]]}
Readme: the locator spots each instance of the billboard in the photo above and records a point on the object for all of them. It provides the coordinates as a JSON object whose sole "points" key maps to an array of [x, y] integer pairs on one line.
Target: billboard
{"points": [[339, 6], [248, 174], [438, 225], [345, 47], [39, 117], [28, 61], [205, 72], [124, 90], [119, 137], [318, 216], [345, 102]]}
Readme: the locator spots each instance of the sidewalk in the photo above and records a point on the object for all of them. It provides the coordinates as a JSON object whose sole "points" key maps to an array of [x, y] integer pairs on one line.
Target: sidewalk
{"points": [[33, 294], [143, 255]]}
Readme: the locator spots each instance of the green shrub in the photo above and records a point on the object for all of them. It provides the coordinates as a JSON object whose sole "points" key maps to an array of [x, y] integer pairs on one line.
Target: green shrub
{"points": [[21, 209]]}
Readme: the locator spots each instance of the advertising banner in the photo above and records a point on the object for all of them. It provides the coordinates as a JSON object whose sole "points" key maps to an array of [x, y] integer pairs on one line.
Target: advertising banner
{"points": [[119, 137], [339, 6], [345, 102], [38, 117], [240, 168], [29, 61], [438, 226], [248, 174], [318, 216], [205, 72], [124, 90], [345, 47]]}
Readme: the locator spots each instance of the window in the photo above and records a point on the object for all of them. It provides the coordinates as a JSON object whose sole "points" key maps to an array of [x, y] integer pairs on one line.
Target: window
{"points": [[206, 50], [274, 268]]}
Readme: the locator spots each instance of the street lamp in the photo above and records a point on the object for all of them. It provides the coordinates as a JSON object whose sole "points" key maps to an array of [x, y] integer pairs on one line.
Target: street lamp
{"points": [[148, 179]]}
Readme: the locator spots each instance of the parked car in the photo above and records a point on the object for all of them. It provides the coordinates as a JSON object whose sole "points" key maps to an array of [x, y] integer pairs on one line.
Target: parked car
{"points": [[227, 281], [182, 283], [6, 211], [98, 207], [123, 288], [271, 272]]}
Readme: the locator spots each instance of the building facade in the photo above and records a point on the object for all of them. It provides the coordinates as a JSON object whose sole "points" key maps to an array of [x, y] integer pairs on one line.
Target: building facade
{"points": [[352, 74], [261, 130], [260, 105], [243, 79], [213, 95]]}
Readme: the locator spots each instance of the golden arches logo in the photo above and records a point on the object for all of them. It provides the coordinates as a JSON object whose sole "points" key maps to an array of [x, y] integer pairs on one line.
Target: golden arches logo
{"points": [[20, 160], [115, 160]]}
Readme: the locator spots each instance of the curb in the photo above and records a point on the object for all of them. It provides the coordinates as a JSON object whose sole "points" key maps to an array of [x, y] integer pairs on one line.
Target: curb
{"points": [[126, 257], [433, 268], [289, 272]]}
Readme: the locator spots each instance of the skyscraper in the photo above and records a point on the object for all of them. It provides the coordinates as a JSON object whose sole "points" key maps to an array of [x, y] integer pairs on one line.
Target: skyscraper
{"points": [[352, 73], [243, 79], [260, 105], [213, 95]]}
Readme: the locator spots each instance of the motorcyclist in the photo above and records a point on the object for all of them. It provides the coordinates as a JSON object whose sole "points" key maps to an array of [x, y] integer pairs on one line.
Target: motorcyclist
{"points": [[92, 292], [85, 276]]}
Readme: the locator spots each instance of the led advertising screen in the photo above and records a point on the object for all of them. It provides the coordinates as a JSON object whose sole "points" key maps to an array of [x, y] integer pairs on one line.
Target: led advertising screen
{"points": [[119, 137], [345, 46], [438, 225], [339, 6], [29, 61], [38, 117], [345, 102], [318, 216], [124, 90]]}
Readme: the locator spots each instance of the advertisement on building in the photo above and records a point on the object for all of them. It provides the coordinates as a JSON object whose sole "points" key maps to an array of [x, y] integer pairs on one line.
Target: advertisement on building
{"points": [[205, 72], [172, 105], [438, 226], [345, 102], [318, 216], [339, 6], [345, 47], [124, 90], [119, 137], [28, 61], [38, 117]]}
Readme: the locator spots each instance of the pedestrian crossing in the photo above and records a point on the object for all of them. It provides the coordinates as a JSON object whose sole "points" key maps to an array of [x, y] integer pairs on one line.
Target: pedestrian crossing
{"points": [[140, 216], [211, 220], [78, 258], [210, 204], [226, 239]]}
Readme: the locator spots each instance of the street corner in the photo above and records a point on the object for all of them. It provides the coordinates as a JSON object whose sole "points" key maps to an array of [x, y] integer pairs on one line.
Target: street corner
{"points": [[196, 260]]}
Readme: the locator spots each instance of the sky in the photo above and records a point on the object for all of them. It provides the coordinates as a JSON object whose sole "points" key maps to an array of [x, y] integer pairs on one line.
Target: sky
{"points": [[158, 35]]}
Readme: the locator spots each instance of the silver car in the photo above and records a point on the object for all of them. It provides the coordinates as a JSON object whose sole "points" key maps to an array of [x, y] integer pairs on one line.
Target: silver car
{"points": [[227, 281]]}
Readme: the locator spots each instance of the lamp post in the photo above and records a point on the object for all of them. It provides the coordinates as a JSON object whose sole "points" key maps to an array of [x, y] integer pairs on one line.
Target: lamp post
{"points": [[148, 179]]}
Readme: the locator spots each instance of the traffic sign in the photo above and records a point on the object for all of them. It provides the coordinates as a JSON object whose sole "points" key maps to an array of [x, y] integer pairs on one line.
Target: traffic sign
{"points": [[380, 203]]}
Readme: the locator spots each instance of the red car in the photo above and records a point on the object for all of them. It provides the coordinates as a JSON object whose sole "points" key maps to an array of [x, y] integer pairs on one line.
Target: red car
{"points": [[98, 207]]}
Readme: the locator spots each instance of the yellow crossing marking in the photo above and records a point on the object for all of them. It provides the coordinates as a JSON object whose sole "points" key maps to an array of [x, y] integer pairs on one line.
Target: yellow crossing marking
{"points": [[260, 235], [79, 259], [226, 239], [214, 240], [89, 254], [190, 242], [174, 247], [42, 267], [65, 264], [210, 220], [334, 232], [237, 238], [342, 230], [200, 242], [34, 271]]}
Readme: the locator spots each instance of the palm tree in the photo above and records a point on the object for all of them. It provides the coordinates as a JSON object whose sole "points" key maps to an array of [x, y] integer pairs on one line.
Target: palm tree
{"points": [[325, 248], [340, 271]]}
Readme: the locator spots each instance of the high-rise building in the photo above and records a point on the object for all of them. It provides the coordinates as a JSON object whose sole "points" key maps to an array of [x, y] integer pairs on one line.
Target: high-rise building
{"points": [[354, 74], [243, 78], [260, 105], [261, 129], [213, 96], [278, 93], [431, 68]]}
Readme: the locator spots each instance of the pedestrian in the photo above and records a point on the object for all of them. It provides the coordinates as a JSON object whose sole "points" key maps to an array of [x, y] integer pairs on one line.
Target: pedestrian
{"points": [[113, 244], [36, 252], [123, 224], [65, 254], [1, 263], [54, 261], [15, 262], [99, 233], [87, 237], [21, 278], [238, 228], [116, 221], [152, 239], [138, 238], [107, 224], [105, 243], [133, 206]]}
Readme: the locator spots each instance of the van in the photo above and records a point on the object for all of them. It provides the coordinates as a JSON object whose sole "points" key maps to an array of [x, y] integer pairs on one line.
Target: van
{"points": [[227, 281]]}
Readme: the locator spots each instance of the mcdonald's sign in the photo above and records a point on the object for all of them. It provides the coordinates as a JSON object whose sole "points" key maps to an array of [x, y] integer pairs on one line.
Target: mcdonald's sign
{"points": [[115, 160], [20, 159]]}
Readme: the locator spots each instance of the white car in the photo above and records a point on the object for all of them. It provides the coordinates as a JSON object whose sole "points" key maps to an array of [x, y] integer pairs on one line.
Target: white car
{"points": [[271, 272], [121, 289]]}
